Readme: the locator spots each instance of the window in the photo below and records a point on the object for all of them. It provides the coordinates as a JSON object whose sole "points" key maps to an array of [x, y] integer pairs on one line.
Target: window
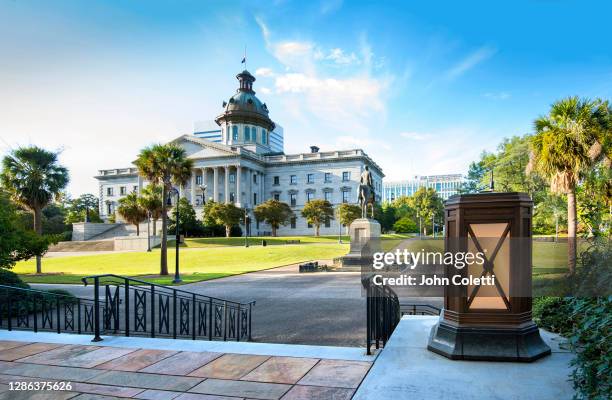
{"points": [[234, 132], [328, 196], [122, 190], [277, 180], [254, 198], [199, 180], [293, 199], [135, 189], [328, 177], [309, 196], [293, 222], [309, 225], [310, 178], [277, 196], [264, 135], [232, 197], [254, 134], [327, 222], [345, 196], [109, 191], [247, 134], [109, 208], [293, 179], [254, 178], [232, 178], [346, 176]]}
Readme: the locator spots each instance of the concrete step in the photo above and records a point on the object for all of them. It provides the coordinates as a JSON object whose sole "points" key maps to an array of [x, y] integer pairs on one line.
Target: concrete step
{"points": [[89, 245]]}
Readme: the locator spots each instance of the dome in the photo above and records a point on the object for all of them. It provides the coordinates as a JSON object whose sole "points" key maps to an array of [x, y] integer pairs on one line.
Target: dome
{"points": [[244, 106]]}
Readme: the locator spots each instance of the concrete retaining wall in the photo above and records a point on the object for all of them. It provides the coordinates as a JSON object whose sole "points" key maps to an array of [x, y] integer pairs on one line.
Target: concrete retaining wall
{"points": [[136, 243], [86, 230]]}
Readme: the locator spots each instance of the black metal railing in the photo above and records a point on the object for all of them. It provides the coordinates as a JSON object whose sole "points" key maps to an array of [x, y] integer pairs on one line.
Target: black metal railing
{"points": [[38, 310], [382, 313], [418, 309], [132, 307]]}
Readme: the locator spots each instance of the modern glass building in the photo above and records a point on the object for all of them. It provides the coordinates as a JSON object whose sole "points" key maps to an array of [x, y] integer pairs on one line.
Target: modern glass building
{"points": [[445, 185], [209, 130]]}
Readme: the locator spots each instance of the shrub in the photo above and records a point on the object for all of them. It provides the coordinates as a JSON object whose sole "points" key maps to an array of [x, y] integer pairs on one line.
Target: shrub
{"points": [[553, 314], [405, 225]]}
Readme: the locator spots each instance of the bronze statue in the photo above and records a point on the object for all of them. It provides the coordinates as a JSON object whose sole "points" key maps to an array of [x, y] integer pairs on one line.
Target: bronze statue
{"points": [[366, 193]]}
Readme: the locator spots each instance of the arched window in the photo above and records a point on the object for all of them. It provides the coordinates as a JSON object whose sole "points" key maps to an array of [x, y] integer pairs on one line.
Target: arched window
{"points": [[264, 139], [234, 132], [247, 134], [254, 134]]}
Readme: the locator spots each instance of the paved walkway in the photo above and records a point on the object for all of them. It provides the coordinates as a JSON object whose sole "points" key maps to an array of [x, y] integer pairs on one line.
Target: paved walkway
{"points": [[104, 372]]}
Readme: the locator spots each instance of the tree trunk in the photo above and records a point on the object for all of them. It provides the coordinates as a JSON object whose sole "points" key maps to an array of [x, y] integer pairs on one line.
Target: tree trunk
{"points": [[228, 230], [154, 227], [571, 231], [38, 230], [273, 231], [317, 230], [137, 229], [163, 270]]}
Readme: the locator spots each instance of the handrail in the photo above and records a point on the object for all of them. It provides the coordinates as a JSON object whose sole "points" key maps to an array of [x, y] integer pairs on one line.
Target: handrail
{"points": [[416, 309], [85, 278], [46, 293]]}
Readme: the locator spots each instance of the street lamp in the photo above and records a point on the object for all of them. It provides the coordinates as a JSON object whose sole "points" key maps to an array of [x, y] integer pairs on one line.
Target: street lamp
{"points": [[177, 277]]}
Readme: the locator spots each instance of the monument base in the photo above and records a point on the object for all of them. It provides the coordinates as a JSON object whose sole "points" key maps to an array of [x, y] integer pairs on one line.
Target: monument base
{"points": [[365, 241], [487, 344]]}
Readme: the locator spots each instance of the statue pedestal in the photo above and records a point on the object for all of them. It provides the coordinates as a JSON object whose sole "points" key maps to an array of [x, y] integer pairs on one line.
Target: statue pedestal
{"points": [[365, 241]]}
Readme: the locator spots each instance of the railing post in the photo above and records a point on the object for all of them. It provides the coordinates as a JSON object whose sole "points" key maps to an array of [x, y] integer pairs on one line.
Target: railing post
{"points": [[368, 319], [210, 319], [152, 311], [250, 314], [174, 313], [193, 317], [34, 316], [57, 314], [78, 316], [9, 312], [97, 337], [238, 319], [126, 288], [224, 321]]}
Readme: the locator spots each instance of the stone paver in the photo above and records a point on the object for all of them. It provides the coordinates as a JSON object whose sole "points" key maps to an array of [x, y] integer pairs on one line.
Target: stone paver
{"points": [[16, 353], [230, 366], [93, 358], [9, 344], [182, 363], [281, 370], [106, 372], [146, 381], [257, 390], [299, 392], [59, 355], [152, 394], [335, 373], [137, 360]]}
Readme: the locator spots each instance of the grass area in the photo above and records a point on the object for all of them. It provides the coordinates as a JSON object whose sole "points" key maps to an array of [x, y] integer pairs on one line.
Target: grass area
{"points": [[273, 241], [197, 264]]}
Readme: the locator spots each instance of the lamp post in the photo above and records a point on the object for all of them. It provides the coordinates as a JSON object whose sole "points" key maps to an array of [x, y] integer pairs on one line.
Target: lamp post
{"points": [[177, 277], [339, 225], [247, 222], [489, 318], [149, 231]]}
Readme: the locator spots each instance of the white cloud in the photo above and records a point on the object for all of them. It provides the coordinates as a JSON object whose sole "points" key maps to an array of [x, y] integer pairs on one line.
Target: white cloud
{"points": [[338, 56], [265, 90], [470, 61], [415, 135], [264, 72], [497, 96]]}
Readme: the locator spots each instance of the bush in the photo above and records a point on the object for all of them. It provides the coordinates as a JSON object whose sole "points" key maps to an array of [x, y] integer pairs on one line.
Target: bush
{"points": [[9, 278], [553, 314], [405, 225]]}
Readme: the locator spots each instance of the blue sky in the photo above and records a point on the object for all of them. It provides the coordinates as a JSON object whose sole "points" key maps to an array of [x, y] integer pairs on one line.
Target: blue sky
{"points": [[423, 87]]}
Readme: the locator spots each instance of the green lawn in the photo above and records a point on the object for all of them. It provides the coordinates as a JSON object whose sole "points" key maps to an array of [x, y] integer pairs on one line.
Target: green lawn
{"points": [[197, 264], [272, 241]]}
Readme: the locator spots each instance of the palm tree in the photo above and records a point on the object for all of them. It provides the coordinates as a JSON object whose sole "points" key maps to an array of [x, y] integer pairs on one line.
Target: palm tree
{"points": [[151, 200], [132, 211], [567, 143], [33, 177], [164, 164]]}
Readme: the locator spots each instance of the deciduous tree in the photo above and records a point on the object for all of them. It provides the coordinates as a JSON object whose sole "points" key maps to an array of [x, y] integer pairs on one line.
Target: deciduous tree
{"points": [[273, 212], [317, 212]]}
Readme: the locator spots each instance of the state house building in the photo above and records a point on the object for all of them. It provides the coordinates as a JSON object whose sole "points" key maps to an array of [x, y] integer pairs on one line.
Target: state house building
{"points": [[243, 162]]}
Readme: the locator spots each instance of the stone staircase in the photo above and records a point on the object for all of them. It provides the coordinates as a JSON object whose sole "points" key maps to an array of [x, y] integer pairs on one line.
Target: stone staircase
{"points": [[118, 231], [89, 245]]}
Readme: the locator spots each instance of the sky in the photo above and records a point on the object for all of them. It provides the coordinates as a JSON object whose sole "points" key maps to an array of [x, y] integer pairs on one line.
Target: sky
{"points": [[422, 87]]}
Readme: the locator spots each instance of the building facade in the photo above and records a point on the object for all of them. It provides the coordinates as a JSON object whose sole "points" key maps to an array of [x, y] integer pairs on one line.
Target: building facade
{"points": [[444, 185], [245, 168], [209, 130]]}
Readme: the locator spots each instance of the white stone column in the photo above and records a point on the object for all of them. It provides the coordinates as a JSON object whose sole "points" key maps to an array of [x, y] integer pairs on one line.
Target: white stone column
{"points": [[238, 188], [250, 187], [193, 185], [262, 187], [226, 177], [216, 184], [204, 183]]}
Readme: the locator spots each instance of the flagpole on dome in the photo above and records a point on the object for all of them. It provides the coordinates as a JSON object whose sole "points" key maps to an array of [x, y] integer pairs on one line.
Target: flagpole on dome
{"points": [[244, 59]]}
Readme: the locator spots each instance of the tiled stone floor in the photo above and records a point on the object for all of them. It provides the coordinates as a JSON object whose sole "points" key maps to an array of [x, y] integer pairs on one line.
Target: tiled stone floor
{"points": [[101, 372]]}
